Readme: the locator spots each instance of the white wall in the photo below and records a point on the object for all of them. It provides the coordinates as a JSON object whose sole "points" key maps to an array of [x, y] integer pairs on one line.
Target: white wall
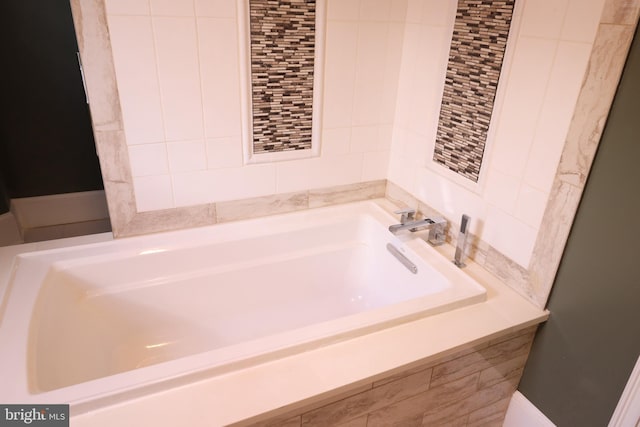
{"points": [[549, 47], [177, 67]]}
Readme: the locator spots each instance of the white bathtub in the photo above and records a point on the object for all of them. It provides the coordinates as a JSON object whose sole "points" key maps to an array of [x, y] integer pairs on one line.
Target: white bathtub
{"points": [[93, 324]]}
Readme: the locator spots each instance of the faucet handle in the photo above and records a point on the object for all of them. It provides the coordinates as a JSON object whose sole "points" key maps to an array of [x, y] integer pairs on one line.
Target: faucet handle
{"points": [[406, 214], [437, 233]]}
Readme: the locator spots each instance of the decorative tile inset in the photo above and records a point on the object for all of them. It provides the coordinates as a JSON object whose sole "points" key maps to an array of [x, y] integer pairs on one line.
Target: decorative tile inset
{"points": [[475, 59], [282, 64]]}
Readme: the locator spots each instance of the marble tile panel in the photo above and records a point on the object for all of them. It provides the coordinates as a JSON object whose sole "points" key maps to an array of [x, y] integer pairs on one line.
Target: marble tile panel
{"points": [[399, 196], [510, 272], [552, 238], [480, 360], [313, 403], [620, 12], [90, 23], [114, 156], [278, 422], [400, 375], [116, 176], [477, 248], [491, 415], [448, 416], [122, 206], [511, 370], [335, 396], [457, 422], [356, 422], [601, 80], [170, 219], [372, 400], [529, 331], [346, 193], [444, 415], [261, 206], [409, 412], [461, 353]]}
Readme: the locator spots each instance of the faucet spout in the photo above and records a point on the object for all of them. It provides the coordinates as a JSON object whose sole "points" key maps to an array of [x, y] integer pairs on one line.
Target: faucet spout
{"points": [[436, 227], [411, 225]]}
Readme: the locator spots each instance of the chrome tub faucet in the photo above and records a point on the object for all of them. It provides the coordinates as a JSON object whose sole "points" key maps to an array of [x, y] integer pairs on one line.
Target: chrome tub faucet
{"points": [[436, 226]]}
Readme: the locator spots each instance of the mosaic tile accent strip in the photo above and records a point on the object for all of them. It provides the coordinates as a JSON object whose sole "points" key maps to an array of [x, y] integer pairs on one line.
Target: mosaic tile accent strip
{"points": [[475, 59], [282, 61]]}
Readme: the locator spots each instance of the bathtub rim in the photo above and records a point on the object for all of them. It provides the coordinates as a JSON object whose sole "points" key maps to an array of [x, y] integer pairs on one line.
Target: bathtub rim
{"points": [[181, 376], [246, 396]]}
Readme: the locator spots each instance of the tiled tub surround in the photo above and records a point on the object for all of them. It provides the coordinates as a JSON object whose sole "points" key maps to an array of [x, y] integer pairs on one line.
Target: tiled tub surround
{"points": [[531, 125], [479, 40], [373, 363], [177, 133], [471, 387], [282, 73], [558, 88]]}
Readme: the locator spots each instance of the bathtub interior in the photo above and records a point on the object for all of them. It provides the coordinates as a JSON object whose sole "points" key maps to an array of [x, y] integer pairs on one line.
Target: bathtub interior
{"points": [[103, 311]]}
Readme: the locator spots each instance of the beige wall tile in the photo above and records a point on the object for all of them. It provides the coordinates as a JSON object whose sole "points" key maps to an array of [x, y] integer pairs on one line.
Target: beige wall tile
{"points": [[356, 422], [261, 206], [461, 352], [530, 331], [552, 238], [605, 63], [408, 411], [510, 272], [408, 397], [346, 193], [481, 399], [607, 59], [316, 402], [621, 12], [170, 219], [372, 400], [480, 360], [97, 61], [279, 422], [116, 175], [446, 418], [511, 370], [400, 375], [492, 415]]}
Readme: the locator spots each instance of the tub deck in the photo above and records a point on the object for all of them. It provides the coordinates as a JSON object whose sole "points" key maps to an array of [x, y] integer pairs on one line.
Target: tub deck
{"points": [[113, 318]]}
